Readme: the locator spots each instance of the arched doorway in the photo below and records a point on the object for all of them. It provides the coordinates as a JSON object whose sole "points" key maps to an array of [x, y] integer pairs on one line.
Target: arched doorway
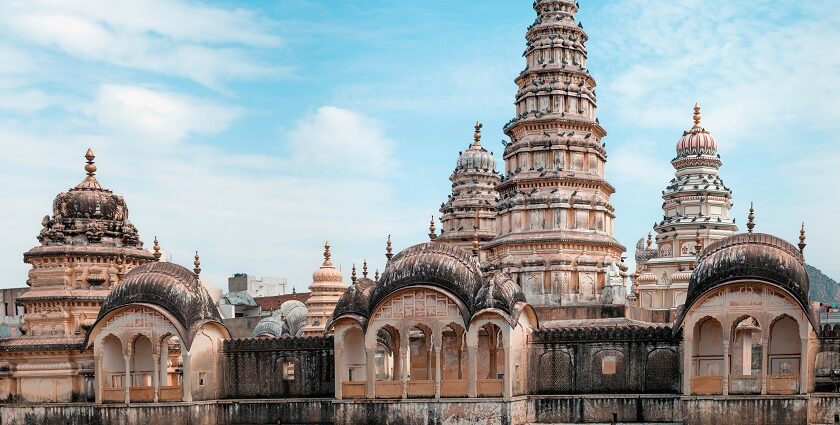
{"points": [[453, 361], [745, 357], [784, 357], [112, 370], [171, 370], [491, 361], [421, 362], [142, 369], [707, 360], [352, 361], [388, 363]]}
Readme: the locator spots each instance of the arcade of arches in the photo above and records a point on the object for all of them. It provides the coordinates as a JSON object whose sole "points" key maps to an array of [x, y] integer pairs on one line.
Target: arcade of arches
{"points": [[418, 346]]}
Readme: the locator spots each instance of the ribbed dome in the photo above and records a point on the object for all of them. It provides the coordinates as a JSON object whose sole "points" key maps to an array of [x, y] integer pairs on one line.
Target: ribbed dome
{"points": [[293, 313], [269, 327], [476, 158], [89, 214], [697, 141], [170, 287]]}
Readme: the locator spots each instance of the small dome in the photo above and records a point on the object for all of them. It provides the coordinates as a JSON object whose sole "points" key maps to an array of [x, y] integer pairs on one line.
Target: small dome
{"points": [[293, 314], [697, 141], [170, 287], [89, 214], [327, 272], [476, 157]]}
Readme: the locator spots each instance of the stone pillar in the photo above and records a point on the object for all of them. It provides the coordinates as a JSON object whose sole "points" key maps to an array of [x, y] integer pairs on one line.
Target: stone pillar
{"points": [[688, 365], [472, 370], [507, 382], [437, 372], [164, 363], [803, 367], [156, 376], [370, 371], [100, 377], [127, 379], [187, 378], [339, 371], [406, 368], [764, 365], [726, 367]]}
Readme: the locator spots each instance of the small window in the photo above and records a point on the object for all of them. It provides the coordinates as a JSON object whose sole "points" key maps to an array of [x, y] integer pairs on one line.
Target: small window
{"points": [[608, 365], [289, 370], [201, 378]]}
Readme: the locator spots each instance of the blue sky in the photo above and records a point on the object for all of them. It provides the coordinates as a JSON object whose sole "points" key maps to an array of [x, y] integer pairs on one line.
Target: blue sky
{"points": [[254, 131]]}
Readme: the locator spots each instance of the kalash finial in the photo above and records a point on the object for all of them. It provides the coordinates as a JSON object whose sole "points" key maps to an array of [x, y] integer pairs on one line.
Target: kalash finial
{"points": [[364, 269], [327, 255], [90, 167], [649, 241], [476, 248], [432, 230], [197, 264], [156, 248], [389, 250], [697, 115], [802, 243], [353, 274], [376, 276], [751, 219], [477, 135]]}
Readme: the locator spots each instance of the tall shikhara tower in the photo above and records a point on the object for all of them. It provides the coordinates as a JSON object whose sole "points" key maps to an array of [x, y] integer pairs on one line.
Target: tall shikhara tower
{"points": [[554, 218]]}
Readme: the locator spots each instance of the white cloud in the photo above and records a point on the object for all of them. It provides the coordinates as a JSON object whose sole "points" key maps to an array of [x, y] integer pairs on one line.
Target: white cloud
{"points": [[158, 116], [174, 37], [334, 139]]}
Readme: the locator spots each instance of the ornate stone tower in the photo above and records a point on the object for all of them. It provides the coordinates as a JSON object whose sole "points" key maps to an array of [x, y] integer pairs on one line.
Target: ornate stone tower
{"points": [[326, 289], [469, 213], [696, 212], [555, 220], [87, 245]]}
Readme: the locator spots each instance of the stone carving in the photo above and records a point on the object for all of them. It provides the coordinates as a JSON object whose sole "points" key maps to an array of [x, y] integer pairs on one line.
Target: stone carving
{"points": [[418, 303]]}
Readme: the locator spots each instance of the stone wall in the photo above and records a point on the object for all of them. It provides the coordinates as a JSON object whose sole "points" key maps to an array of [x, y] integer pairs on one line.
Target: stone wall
{"points": [[604, 360], [477, 411], [254, 368], [603, 409]]}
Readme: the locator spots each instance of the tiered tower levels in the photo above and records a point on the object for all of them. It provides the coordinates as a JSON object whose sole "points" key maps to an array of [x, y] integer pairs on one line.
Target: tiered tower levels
{"points": [[554, 218]]}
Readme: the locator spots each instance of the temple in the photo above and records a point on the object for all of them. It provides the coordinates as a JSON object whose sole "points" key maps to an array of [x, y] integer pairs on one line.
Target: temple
{"points": [[519, 311]]}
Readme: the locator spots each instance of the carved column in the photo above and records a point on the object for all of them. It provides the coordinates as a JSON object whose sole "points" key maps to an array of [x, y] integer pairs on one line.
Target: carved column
{"points": [[437, 372], [156, 376], [803, 367], [127, 380], [472, 370], [726, 362], [370, 371]]}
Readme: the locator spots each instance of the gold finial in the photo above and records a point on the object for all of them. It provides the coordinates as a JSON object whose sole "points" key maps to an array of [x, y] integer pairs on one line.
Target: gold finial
{"points": [[802, 239], [751, 219], [697, 115], [477, 135], [90, 167], [432, 230], [389, 249], [649, 241], [327, 255], [156, 248], [364, 269], [376, 276], [353, 274], [698, 244], [197, 264], [475, 245]]}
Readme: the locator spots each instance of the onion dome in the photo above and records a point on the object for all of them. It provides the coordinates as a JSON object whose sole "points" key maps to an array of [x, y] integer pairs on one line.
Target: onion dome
{"points": [[476, 157], [89, 214], [167, 286], [749, 256], [697, 140]]}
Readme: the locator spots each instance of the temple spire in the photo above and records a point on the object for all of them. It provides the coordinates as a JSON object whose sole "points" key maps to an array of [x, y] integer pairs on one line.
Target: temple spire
{"points": [[364, 269], [353, 274], [197, 264], [802, 243], [389, 249], [432, 230], [751, 219]]}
